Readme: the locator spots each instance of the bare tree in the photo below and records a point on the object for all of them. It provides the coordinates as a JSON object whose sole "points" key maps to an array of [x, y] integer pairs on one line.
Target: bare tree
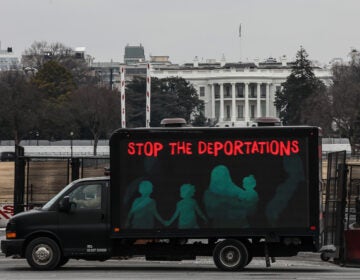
{"points": [[317, 110], [20, 104], [96, 110], [42, 52], [345, 93]]}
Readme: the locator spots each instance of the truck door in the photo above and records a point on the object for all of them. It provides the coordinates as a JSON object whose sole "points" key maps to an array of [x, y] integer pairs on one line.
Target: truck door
{"points": [[83, 230]]}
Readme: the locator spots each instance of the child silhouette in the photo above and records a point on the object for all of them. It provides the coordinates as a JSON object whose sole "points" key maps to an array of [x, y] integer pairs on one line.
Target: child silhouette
{"points": [[143, 210], [187, 209]]}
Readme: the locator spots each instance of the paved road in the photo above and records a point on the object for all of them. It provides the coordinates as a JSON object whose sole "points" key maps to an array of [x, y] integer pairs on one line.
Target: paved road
{"points": [[306, 266], [303, 266]]}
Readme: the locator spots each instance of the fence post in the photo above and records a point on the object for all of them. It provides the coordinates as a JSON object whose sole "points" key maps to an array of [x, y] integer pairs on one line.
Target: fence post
{"points": [[75, 169], [19, 180]]}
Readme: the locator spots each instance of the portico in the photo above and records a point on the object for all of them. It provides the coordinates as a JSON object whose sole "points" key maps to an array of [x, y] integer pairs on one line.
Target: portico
{"points": [[239, 102], [235, 94]]}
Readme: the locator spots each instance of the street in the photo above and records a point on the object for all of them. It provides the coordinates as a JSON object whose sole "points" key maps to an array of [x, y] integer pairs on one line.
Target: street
{"points": [[295, 268], [303, 266]]}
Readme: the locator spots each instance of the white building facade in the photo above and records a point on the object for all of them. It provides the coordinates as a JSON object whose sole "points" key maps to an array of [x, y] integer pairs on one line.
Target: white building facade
{"points": [[8, 60], [236, 94]]}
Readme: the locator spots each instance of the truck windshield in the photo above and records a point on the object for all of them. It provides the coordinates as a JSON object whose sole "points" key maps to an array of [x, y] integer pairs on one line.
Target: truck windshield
{"points": [[50, 203]]}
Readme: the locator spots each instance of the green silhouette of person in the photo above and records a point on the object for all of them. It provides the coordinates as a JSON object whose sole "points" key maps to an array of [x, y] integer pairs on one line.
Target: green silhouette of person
{"points": [[284, 192], [222, 184], [187, 209], [143, 210], [226, 204]]}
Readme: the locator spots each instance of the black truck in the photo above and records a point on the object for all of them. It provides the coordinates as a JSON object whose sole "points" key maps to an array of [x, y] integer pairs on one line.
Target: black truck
{"points": [[177, 193]]}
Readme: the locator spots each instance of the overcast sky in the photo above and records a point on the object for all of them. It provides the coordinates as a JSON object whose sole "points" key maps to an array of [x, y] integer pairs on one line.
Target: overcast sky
{"points": [[183, 29]]}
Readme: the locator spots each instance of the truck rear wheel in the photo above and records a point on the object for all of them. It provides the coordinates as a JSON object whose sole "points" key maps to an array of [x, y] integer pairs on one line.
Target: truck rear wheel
{"points": [[230, 255], [43, 253]]}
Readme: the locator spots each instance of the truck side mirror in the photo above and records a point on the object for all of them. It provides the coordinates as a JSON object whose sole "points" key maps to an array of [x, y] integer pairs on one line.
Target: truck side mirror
{"points": [[65, 204]]}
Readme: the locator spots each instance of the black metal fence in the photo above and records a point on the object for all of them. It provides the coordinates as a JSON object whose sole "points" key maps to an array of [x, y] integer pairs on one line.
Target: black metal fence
{"points": [[38, 179], [335, 201], [353, 196], [342, 206]]}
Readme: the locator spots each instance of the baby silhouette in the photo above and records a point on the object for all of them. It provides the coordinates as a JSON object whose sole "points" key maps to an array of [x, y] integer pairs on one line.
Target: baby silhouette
{"points": [[143, 210], [187, 209]]}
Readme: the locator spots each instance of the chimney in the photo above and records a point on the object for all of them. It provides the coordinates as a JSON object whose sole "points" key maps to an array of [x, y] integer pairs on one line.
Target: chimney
{"points": [[223, 60], [196, 62]]}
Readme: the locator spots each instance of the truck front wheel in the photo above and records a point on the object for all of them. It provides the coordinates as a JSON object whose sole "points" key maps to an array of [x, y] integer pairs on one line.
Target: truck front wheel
{"points": [[43, 253], [230, 255]]}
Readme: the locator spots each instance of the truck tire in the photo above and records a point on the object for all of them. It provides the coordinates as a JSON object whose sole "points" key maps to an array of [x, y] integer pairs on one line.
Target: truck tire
{"points": [[324, 257], [230, 255], [43, 253]]}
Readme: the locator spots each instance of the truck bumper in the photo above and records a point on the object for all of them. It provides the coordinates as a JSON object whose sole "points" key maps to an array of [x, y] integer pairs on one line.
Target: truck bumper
{"points": [[12, 247]]}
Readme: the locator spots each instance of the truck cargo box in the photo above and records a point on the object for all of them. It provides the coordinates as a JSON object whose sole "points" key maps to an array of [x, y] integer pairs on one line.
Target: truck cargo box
{"points": [[215, 182]]}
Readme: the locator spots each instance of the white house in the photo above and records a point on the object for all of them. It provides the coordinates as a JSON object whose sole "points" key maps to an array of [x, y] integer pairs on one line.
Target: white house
{"points": [[235, 94]]}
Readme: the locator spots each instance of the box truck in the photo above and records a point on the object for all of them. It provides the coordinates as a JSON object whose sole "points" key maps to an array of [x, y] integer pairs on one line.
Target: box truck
{"points": [[175, 193]]}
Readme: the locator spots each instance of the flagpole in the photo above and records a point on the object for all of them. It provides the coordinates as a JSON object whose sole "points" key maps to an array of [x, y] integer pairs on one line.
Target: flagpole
{"points": [[122, 97], [148, 95], [240, 41]]}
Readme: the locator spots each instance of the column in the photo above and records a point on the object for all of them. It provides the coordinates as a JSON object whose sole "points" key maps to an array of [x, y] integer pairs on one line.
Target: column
{"points": [[221, 118], [212, 101], [233, 102], [267, 99], [272, 99], [258, 102], [247, 116]]}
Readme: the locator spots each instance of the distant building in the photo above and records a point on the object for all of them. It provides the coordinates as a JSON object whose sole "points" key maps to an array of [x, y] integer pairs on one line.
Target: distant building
{"points": [[107, 73], [46, 53], [135, 64], [235, 94], [8, 60], [354, 56], [134, 54], [159, 59]]}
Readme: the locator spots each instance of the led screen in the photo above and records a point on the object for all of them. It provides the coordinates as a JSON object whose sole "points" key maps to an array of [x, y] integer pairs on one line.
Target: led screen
{"points": [[195, 182]]}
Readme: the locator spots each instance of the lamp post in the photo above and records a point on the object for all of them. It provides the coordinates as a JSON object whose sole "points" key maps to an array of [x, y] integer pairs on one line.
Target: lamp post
{"points": [[37, 138], [30, 134], [71, 144]]}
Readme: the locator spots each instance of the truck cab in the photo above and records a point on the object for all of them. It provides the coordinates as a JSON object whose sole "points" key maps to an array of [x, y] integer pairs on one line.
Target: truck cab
{"points": [[73, 224]]}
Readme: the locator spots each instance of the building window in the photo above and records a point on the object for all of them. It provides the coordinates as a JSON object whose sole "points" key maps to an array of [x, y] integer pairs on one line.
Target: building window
{"points": [[252, 111], [263, 109], [240, 111], [217, 91], [202, 91], [252, 91], [228, 112], [240, 91], [227, 92], [263, 91]]}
